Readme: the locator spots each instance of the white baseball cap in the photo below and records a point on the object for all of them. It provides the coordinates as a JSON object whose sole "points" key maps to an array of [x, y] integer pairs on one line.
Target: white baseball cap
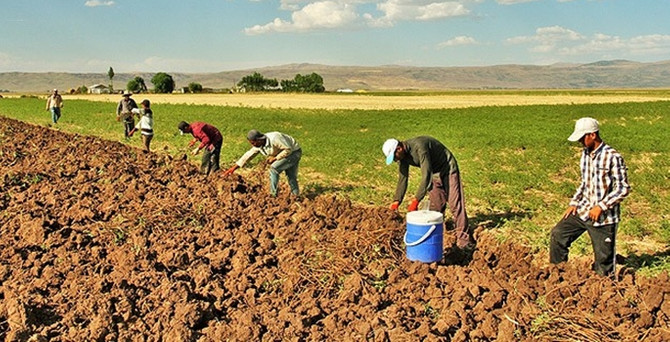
{"points": [[389, 150], [584, 126]]}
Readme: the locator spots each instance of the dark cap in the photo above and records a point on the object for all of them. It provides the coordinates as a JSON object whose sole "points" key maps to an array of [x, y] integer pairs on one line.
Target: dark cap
{"points": [[146, 102], [255, 135], [183, 126]]}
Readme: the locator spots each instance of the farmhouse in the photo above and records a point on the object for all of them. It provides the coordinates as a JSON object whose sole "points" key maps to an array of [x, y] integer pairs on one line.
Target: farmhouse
{"points": [[98, 89]]}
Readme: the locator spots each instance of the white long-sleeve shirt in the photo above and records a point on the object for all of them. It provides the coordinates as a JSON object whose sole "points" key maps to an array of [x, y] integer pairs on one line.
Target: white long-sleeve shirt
{"points": [[278, 145], [146, 124]]}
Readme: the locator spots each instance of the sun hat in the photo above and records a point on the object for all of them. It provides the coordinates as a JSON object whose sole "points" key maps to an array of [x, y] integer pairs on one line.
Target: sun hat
{"points": [[127, 93], [255, 135], [584, 126], [389, 150]]}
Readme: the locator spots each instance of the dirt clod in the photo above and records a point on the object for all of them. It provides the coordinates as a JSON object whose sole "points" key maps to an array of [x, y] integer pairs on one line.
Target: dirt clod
{"points": [[100, 242]]}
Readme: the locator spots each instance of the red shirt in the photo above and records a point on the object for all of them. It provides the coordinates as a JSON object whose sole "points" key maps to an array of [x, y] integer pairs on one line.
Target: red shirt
{"points": [[206, 134]]}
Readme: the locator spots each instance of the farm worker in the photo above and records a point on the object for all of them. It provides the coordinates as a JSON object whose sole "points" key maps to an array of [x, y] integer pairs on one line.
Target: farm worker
{"points": [[54, 104], [210, 140], [146, 124], [124, 112], [595, 206], [283, 154], [439, 175]]}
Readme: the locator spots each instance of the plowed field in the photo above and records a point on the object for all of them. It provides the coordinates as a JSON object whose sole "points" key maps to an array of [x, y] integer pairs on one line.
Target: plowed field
{"points": [[101, 242]]}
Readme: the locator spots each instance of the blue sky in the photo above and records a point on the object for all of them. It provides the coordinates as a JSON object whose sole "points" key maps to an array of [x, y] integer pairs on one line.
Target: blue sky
{"points": [[221, 35]]}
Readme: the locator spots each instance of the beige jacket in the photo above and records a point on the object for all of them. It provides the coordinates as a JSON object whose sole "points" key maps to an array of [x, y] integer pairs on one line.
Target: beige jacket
{"points": [[54, 101]]}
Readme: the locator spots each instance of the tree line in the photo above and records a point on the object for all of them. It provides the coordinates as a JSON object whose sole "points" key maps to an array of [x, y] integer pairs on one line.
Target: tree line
{"points": [[312, 83], [164, 83]]}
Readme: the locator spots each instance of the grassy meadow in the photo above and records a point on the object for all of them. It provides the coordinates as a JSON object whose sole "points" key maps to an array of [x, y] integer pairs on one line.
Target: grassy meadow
{"points": [[517, 166]]}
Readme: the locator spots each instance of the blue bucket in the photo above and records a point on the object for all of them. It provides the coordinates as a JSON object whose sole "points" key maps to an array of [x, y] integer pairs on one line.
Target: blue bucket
{"points": [[423, 238]]}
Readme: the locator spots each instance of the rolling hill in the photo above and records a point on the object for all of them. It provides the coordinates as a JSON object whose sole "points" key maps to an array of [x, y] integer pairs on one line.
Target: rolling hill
{"points": [[601, 74]]}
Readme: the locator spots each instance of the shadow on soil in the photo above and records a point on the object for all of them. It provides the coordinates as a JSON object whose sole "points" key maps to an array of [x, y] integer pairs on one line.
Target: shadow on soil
{"points": [[313, 190], [462, 257], [636, 262], [489, 221]]}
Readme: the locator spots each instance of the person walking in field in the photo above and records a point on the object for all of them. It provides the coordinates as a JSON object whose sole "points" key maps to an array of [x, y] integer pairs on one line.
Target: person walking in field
{"points": [[54, 104], [283, 154], [124, 112], [439, 175], [145, 125], [210, 141], [595, 206]]}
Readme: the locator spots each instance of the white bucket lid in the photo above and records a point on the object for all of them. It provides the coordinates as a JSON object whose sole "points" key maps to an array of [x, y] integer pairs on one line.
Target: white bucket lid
{"points": [[424, 217]]}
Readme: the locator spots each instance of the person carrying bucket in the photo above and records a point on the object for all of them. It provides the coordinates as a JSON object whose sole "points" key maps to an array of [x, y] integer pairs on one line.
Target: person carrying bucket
{"points": [[439, 175]]}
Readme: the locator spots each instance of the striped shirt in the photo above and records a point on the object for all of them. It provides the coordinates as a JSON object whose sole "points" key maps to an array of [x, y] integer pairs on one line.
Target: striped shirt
{"points": [[146, 124], [604, 183]]}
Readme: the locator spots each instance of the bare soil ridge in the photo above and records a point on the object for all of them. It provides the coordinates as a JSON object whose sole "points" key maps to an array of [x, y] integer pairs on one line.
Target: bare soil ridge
{"points": [[102, 242]]}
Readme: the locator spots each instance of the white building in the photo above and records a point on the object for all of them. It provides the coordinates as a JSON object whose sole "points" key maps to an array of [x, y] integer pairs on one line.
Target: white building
{"points": [[98, 89]]}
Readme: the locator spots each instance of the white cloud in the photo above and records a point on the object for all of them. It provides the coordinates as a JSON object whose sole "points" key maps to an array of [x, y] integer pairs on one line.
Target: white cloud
{"points": [[546, 39], [310, 15], [513, 2], [458, 41], [561, 41], [396, 10], [96, 3], [316, 15]]}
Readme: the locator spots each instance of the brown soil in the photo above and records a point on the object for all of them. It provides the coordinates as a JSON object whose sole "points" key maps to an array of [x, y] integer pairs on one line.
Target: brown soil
{"points": [[103, 242]]}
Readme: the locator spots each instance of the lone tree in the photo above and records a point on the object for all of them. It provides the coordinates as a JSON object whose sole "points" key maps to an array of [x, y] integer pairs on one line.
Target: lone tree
{"points": [[163, 83], [137, 85], [195, 87], [110, 74]]}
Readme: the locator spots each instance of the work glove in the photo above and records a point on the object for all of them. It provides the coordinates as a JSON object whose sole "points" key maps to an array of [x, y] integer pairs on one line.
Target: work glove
{"points": [[231, 170], [394, 205], [132, 131], [196, 150], [414, 205]]}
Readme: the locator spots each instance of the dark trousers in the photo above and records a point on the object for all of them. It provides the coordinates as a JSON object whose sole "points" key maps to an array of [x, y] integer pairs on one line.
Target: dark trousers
{"points": [[603, 239], [128, 125], [448, 190], [211, 157]]}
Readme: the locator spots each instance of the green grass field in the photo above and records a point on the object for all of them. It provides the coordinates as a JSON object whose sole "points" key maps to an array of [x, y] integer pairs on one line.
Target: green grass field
{"points": [[518, 169]]}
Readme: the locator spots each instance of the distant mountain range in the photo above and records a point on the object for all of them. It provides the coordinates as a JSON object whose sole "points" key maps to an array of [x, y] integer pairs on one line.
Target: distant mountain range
{"points": [[602, 74]]}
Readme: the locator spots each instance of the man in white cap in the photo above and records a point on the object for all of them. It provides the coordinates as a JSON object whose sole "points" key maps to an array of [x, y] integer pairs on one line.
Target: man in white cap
{"points": [[124, 113], [595, 206], [439, 175], [283, 154], [54, 104]]}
